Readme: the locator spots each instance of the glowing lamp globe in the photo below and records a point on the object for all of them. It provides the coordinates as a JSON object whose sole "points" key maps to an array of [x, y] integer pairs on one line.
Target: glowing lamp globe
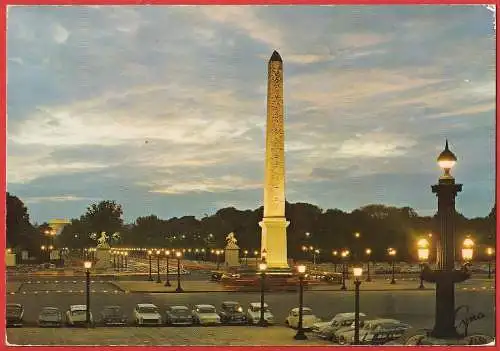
{"points": [[446, 160]]}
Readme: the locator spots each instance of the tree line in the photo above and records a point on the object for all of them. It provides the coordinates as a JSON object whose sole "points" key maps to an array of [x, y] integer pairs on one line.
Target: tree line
{"points": [[378, 226]]}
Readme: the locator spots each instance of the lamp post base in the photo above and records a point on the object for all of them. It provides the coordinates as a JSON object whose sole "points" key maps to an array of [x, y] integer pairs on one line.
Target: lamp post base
{"points": [[262, 323], [300, 335], [167, 283], [179, 290]]}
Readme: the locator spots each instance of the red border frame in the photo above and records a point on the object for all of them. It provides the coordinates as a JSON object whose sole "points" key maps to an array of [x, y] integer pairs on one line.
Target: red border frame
{"points": [[3, 125]]}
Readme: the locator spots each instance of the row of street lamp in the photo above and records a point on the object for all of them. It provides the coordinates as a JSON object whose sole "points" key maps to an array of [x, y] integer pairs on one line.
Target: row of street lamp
{"points": [[178, 255]]}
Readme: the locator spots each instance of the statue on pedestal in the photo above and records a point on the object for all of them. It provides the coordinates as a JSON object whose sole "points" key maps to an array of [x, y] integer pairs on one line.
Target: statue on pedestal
{"points": [[232, 251]]}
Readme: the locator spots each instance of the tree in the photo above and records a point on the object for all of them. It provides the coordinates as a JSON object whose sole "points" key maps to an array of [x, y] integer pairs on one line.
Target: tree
{"points": [[20, 233], [105, 216]]}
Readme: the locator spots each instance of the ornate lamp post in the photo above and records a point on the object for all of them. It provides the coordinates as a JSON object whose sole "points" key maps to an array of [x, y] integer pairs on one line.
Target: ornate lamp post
{"points": [[392, 253], [149, 256], [423, 256], [262, 269], [315, 254], [167, 281], [368, 252], [344, 254], [178, 255], [158, 280], [114, 259], [255, 253], [445, 275], [126, 258], [300, 330], [357, 272], [490, 251], [87, 265]]}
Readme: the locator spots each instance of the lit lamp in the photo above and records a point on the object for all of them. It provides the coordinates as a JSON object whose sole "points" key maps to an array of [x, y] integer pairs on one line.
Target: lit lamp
{"points": [[245, 254], [423, 256], [467, 250], [262, 269], [126, 260], [392, 253], [490, 252], [87, 265], [357, 272], [368, 253], [178, 255], [300, 330]]}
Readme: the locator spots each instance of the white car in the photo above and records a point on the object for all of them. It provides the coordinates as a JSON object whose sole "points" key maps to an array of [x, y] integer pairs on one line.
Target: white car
{"points": [[308, 318], [340, 320], [253, 313], [77, 315], [388, 329], [205, 315], [147, 314]]}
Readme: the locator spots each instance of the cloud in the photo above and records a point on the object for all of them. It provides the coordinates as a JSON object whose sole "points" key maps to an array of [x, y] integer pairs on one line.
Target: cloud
{"points": [[148, 105]]}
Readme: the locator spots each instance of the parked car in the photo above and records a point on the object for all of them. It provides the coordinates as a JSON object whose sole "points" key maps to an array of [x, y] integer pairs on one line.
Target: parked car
{"points": [[178, 315], [205, 315], [232, 313], [77, 315], [147, 314], [308, 318], [326, 330], [14, 315], [50, 317], [253, 313], [373, 331], [113, 315]]}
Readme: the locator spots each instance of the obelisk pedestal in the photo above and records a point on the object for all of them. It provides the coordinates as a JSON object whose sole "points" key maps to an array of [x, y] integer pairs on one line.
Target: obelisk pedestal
{"points": [[274, 222]]}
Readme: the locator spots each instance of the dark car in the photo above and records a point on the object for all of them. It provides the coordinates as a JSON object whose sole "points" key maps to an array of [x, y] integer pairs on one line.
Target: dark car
{"points": [[113, 315], [50, 317], [232, 313], [14, 315], [178, 315]]}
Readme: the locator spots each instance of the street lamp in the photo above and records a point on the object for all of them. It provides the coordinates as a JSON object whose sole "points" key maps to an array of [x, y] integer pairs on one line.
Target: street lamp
{"points": [[150, 275], [315, 253], [423, 255], [392, 253], [158, 280], [467, 250], [445, 275], [262, 269], [245, 254], [87, 265], [218, 252], [126, 260], [334, 254], [368, 252], [167, 282], [114, 259], [357, 272], [300, 330], [178, 255], [344, 254], [489, 251]]}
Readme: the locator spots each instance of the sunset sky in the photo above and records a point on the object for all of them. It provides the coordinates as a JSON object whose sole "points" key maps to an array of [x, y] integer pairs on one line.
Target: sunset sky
{"points": [[163, 109]]}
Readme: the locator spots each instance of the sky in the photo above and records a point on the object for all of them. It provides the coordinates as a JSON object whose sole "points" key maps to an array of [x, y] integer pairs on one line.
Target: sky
{"points": [[163, 108]]}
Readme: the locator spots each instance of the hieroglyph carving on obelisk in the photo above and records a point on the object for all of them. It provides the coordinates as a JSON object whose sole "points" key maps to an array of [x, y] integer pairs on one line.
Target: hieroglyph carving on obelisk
{"points": [[274, 222]]}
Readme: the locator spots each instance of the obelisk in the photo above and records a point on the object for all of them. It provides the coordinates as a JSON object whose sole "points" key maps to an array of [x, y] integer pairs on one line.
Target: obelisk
{"points": [[274, 222]]}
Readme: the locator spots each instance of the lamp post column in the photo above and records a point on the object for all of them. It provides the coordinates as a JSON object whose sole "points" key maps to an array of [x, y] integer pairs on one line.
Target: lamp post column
{"points": [[150, 272], [445, 276], [357, 283], [300, 330], [167, 281], [158, 280], [178, 255]]}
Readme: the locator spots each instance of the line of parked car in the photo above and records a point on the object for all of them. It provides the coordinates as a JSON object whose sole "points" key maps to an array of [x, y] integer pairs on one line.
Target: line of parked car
{"points": [[230, 312], [340, 329]]}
